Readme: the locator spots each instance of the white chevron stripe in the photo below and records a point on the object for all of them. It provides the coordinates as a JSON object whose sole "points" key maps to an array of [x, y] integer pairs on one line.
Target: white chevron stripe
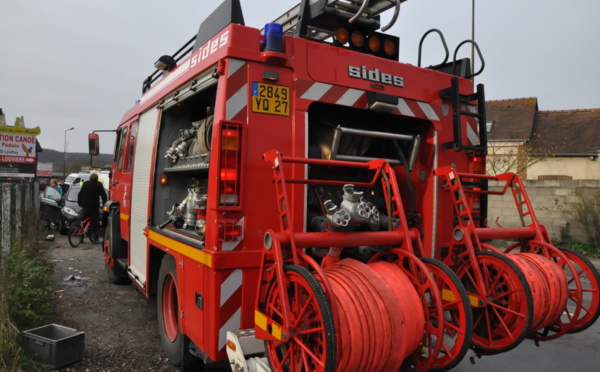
{"points": [[230, 285], [350, 97], [234, 65], [472, 135], [428, 110], [237, 102], [316, 91], [233, 324], [404, 109]]}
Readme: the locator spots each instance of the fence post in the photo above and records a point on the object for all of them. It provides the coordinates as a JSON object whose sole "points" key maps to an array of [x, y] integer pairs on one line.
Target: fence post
{"points": [[6, 227], [19, 213]]}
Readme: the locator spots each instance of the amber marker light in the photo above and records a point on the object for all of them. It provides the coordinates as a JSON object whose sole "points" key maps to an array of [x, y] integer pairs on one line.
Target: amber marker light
{"points": [[389, 47], [163, 179], [341, 35], [374, 44], [358, 39]]}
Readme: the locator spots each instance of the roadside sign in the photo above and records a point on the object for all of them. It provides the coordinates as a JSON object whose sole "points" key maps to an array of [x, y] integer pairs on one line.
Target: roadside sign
{"points": [[18, 157], [44, 169]]}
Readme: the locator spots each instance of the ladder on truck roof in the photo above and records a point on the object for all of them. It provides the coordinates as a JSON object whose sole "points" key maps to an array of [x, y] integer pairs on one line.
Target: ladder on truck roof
{"points": [[363, 11]]}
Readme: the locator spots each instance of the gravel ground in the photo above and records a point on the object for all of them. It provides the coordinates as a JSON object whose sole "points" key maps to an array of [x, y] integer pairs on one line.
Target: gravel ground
{"points": [[119, 322]]}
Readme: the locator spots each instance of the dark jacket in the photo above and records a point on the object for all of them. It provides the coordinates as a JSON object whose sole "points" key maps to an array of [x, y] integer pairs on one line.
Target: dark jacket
{"points": [[90, 193]]}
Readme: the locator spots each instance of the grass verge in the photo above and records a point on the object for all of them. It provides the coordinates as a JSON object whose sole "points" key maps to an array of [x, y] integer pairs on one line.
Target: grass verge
{"points": [[25, 289]]}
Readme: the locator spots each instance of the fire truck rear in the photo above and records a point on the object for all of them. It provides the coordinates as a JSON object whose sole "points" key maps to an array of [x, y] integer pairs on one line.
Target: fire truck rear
{"points": [[299, 200]]}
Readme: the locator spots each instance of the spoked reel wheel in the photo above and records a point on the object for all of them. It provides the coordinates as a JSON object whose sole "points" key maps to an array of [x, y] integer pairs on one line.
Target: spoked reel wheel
{"points": [[583, 304], [311, 346], [458, 317], [502, 313], [590, 282]]}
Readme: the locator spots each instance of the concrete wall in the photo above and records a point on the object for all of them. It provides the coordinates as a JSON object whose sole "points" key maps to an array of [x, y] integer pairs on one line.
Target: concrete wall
{"points": [[576, 167], [550, 200]]}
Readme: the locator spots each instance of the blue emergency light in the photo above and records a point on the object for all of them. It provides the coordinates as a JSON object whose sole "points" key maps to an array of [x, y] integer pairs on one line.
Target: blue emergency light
{"points": [[273, 37]]}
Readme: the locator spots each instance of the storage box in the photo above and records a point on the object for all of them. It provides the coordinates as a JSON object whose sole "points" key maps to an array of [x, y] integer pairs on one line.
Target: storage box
{"points": [[54, 344]]}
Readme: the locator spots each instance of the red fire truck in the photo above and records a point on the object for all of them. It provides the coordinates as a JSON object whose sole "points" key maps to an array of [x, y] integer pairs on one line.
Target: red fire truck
{"points": [[299, 200]]}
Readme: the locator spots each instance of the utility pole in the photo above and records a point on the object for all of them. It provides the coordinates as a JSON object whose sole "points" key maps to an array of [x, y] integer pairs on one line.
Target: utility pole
{"points": [[65, 154], [473, 38]]}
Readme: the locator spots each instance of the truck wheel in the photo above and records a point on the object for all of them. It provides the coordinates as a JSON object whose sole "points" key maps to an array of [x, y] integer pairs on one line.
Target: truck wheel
{"points": [[167, 305]]}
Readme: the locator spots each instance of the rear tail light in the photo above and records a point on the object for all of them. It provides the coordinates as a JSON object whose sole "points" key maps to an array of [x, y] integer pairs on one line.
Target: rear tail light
{"points": [[229, 165], [478, 165]]}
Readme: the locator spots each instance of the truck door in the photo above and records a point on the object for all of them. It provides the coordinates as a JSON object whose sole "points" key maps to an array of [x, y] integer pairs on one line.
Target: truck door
{"points": [[122, 169]]}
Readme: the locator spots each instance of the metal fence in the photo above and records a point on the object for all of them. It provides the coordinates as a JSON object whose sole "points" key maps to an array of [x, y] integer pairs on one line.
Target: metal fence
{"points": [[19, 208]]}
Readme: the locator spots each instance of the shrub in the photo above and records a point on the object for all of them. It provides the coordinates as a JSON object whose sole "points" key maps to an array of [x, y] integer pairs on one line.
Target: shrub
{"points": [[25, 288], [29, 287], [585, 210]]}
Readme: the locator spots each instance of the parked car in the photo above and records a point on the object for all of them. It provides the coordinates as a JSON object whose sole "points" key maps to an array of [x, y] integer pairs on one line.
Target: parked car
{"points": [[60, 212]]}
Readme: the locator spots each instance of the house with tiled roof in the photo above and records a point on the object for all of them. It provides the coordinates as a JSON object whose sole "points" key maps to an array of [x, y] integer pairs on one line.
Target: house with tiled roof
{"points": [[542, 144], [555, 152]]}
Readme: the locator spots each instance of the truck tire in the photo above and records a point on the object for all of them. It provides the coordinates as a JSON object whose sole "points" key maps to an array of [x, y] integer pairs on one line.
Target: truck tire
{"points": [[167, 306]]}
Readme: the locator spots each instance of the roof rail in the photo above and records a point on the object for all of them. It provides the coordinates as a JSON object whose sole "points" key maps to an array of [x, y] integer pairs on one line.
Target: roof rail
{"points": [[228, 12], [309, 14], [177, 56]]}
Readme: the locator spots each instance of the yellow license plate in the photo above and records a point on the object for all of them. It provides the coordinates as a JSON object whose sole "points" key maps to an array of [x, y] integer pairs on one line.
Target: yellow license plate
{"points": [[270, 99]]}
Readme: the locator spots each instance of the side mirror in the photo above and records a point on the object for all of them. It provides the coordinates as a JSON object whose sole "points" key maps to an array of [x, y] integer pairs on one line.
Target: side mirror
{"points": [[94, 144]]}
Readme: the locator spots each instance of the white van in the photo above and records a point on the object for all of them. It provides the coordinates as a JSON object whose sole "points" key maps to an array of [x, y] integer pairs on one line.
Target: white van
{"points": [[80, 178]]}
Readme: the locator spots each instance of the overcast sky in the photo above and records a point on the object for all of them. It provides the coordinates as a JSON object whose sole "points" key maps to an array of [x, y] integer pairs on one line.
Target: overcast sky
{"points": [[81, 63]]}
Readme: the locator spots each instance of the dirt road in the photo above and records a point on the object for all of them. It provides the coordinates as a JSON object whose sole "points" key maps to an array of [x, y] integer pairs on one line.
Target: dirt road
{"points": [[118, 321]]}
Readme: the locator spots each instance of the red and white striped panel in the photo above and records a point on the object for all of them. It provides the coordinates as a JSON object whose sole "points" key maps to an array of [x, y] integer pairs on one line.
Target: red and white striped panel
{"points": [[231, 305], [237, 90], [327, 93], [472, 125]]}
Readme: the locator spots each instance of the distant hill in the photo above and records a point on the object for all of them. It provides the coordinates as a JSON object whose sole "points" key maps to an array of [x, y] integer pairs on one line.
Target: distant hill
{"points": [[75, 160]]}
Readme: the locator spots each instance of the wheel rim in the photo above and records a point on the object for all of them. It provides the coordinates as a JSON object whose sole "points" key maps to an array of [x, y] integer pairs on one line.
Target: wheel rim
{"points": [[590, 291], [503, 319], [169, 308], [308, 346], [458, 327]]}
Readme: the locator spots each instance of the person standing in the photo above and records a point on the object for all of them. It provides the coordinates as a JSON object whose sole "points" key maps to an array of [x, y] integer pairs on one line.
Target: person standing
{"points": [[64, 187], [88, 199], [54, 184]]}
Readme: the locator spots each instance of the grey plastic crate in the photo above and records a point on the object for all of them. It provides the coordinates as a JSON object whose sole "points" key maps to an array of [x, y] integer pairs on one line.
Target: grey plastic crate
{"points": [[54, 344]]}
